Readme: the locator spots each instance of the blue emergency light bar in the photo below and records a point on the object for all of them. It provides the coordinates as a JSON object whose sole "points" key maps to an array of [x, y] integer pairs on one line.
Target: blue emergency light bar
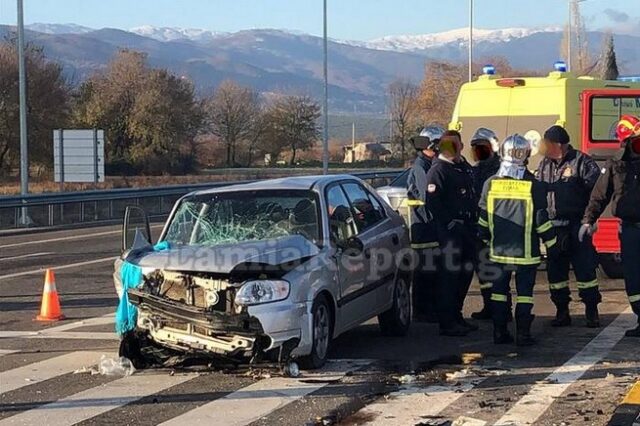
{"points": [[489, 70], [560, 66]]}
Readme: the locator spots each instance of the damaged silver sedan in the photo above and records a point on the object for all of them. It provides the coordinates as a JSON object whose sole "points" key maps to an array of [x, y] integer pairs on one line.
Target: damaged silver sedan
{"points": [[269, 270]]}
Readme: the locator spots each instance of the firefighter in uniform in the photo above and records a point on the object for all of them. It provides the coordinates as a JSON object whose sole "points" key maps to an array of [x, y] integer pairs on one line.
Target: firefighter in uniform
{"points": [[422, 230], [619, 183], [570, 176], [484, 145], [452, 203], [513, 218]]}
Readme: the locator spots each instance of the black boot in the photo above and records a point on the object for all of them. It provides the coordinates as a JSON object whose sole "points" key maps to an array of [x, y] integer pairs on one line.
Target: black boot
{"points": [[593, 318], [501, 334], [563, 318], [523, 331]]}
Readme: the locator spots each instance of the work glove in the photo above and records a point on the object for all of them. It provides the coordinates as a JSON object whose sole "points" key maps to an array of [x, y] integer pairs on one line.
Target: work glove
{"points": [[586, 229]]}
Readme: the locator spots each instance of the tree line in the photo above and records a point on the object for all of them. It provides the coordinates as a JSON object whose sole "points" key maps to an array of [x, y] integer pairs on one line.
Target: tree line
{"points": [[153, 119]]}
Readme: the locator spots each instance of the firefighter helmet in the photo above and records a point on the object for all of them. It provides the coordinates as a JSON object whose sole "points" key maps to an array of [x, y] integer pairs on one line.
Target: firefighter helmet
{"points": [[514, 154], [428, 138], [627, 127], [483, 134]]}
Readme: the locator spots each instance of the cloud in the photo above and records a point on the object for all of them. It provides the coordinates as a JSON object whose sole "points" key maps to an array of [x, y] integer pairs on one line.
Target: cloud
{"points": [[617, 15]]}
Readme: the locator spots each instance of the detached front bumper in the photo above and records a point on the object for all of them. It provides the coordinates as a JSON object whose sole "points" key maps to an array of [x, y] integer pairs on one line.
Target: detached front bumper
{"points": [[189, 328]]}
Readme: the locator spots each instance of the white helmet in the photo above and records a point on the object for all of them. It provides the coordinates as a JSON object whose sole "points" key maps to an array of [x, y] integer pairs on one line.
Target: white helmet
{"points": [[514, 153], [484, 134], [429, 138]]}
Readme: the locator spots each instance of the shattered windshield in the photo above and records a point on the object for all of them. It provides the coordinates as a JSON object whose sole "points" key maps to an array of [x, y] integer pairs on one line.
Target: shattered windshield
{"points": [[237, 217]]}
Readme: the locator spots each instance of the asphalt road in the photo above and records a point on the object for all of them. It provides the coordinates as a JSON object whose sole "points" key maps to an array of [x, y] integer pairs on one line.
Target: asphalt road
{"points": [[574, 376]]}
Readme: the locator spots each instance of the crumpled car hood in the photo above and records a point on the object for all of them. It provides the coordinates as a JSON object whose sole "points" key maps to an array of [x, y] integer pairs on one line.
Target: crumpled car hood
{"points": [[224, 258]]}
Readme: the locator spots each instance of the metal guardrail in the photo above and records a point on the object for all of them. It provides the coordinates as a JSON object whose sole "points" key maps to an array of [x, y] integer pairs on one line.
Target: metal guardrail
{"points": [[82, 208]]}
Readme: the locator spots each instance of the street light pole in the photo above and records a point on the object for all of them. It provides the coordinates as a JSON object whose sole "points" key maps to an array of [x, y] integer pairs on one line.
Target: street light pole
{"points": [[569, 35], [22, 84], [325, 101], [470, 40]]}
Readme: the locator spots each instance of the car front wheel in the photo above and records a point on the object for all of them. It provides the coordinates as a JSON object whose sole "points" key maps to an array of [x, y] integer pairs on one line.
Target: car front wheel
{"points": [[396, 321], [322, 326]]}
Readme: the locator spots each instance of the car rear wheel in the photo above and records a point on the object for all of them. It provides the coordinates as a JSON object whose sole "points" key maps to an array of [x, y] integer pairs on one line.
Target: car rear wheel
{"points": [[611, 265], [322, 329], [396, 321]]}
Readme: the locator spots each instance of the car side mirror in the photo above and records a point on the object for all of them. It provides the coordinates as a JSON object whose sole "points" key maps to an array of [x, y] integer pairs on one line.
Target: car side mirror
{"points": [[352, 246], [136, 231]]}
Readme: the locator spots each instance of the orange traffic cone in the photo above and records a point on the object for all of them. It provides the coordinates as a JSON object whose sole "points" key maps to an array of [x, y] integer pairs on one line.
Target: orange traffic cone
{"points": [[50, 308]]}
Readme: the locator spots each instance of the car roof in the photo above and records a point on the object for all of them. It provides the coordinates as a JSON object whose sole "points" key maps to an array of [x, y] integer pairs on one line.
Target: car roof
{"points": [[288, 183]]}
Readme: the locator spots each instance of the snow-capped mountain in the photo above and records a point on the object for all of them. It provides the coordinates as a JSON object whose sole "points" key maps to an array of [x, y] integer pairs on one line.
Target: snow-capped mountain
{"points": [[412, 43], [59, 28], [175, 33]]}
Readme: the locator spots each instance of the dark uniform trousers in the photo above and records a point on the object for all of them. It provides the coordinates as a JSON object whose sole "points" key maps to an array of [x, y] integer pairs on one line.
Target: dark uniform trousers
{"points": [[525, 280], [582, 256], [456, 265], [630, 240]]}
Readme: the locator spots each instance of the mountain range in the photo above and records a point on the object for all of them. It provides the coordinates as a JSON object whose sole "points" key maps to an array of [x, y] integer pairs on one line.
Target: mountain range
{"points": [[279, 60]]}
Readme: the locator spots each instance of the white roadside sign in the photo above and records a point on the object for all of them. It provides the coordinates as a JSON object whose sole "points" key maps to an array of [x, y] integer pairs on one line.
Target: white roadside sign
{"points": [[78, 155]]}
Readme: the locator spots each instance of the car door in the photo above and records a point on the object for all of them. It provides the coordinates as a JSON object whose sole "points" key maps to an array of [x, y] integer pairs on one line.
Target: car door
{"points": [[376, 265]]}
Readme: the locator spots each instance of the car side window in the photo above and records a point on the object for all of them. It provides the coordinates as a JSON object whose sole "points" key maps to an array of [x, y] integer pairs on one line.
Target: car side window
{"points": [[366, 209], [341, 222]]}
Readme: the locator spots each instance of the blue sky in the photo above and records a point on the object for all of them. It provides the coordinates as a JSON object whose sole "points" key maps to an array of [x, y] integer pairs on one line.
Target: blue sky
{"points": [[349, 19]]}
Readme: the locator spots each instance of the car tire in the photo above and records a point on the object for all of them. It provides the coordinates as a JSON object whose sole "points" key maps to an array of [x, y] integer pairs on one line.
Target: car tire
{"points": [[396, 321], [322, 329], [611, 265]]}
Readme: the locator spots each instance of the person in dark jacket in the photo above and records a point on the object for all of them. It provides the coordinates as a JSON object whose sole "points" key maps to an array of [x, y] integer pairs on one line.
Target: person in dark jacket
{"points": [[422, 230], [452, 203], [513, 218], [619, 184], [570, 176], [484, 145]]}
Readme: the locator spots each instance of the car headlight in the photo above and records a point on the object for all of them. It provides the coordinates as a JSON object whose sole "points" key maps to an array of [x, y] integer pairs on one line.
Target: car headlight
{"points": [[262, 291]]}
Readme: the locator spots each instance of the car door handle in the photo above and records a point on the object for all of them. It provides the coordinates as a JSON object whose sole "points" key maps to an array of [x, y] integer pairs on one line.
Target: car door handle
{"points": [[395, 240]]}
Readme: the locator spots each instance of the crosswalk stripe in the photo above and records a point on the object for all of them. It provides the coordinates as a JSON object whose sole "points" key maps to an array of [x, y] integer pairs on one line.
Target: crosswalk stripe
{"points": [[44, 370], [531, 406], [82, 335], [468, 421], [413, 403], [255, 401], [89, 322], [95, 401]]}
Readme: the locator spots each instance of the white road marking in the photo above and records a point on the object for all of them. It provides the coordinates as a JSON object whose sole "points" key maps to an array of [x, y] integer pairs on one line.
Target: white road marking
{"points": [[259, 399], [89, 322], [24, 256], [531, 406], [95, 401], [45, 370], [76, 335], [411, 404], [57, 268], [62, 331], [468, 421], [55, 240], [69, 238], [4, 352]]}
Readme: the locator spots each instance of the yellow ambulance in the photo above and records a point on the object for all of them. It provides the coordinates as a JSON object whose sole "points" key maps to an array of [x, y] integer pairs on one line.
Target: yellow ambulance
{"points": [[586, 107]]}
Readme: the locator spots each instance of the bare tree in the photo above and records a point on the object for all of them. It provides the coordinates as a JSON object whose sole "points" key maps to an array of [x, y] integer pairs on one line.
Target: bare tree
{"points": [[402, 98], [232, 111], [292, 123]]}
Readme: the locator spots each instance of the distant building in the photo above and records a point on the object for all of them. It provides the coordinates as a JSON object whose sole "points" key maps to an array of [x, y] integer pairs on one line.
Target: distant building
{"points": [[367, 152]]}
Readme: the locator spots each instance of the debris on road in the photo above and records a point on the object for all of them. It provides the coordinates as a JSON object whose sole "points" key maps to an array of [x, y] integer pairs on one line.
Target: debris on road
{"points": [[115, 366]]}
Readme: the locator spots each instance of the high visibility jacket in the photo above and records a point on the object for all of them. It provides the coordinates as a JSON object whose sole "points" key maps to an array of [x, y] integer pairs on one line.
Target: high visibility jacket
{"points": [[513, 218], [421, 227]]}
